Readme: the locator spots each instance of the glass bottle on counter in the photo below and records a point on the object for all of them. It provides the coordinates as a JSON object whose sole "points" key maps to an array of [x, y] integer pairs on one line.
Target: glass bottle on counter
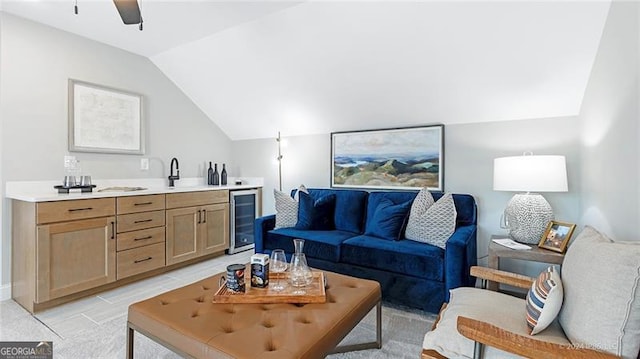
{"points": [[223, 176], [216, 175], [210, 175]]}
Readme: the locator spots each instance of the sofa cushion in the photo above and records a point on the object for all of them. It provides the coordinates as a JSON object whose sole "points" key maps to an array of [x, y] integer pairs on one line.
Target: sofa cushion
{"points": [[286, 208], [319, 244], [431, 222], [349, 210], [465, 208], [388, 219], [544, 300], [316, 214], [403, 257], [601, 280], [499, 309]]}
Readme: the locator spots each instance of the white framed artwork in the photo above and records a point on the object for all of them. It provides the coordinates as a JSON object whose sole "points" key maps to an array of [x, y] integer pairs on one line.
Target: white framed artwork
{"points": [[104, 119]]}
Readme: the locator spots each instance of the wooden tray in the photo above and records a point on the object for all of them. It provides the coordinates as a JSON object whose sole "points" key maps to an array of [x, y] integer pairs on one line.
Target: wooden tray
{"points": [[313, 293]]}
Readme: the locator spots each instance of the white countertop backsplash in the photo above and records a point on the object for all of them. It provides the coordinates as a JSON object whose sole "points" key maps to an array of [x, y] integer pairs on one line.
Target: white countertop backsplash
{"points": [[43, 191]]}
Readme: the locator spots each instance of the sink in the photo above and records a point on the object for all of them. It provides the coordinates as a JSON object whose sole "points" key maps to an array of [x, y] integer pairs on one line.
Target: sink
{"points": [[121, 189]]}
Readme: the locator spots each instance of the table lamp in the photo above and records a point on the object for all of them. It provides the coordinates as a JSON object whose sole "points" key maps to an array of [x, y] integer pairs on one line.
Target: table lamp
{"points": [[528, 214]]}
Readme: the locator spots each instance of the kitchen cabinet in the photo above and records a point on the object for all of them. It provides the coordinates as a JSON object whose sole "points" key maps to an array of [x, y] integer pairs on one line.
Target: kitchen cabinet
{"points": [[65, 248], [141, 234], [60, 248], [74, 256], [197, 225]]}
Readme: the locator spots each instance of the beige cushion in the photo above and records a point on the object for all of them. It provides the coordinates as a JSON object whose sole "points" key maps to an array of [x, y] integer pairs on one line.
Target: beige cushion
{"points": [[431, 222], [286, 208], [499, 309], [601, 307]]}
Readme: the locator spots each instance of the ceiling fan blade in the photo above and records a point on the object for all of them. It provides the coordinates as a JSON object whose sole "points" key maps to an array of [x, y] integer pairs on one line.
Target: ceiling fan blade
{"points": [[129, 11]]}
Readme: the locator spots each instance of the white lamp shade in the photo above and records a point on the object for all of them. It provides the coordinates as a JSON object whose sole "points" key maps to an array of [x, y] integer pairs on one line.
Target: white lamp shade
{"points": [[530, 174]]}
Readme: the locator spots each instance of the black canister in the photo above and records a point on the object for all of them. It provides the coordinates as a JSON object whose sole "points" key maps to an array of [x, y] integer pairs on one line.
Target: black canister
{"points": [[235, 277]]}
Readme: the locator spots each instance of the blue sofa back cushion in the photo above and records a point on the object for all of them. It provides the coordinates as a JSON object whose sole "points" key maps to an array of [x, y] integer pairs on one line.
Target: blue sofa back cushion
{"points": [[465, 206], [388, 219], [349, 209], [316, 214]]}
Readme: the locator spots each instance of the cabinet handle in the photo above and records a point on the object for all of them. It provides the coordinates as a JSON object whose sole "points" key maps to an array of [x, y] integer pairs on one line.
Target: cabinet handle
{"points": [[113, 229], [142, 203], [204, 215], [142, 238], [80, 209], [199, 217], [143, 221], [143, 260]]}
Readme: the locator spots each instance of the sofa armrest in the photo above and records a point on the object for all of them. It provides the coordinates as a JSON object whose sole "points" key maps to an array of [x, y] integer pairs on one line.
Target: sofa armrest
{"points": [[527, 346], [460, 255], [261, 226], [495, 275]]}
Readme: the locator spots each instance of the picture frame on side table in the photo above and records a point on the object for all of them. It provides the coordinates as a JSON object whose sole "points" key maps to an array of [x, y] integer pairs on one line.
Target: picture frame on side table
{"points": [[104, 119], [395, 158], [556, 236]]}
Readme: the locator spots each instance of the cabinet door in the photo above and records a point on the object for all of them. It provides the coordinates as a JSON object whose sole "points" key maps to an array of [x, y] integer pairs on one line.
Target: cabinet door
{"points": [[182, 234], [214, 229], [74, 256]]}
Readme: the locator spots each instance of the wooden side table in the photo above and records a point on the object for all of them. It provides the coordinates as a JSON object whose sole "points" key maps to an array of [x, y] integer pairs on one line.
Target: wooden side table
{"points": [[535, 254]]}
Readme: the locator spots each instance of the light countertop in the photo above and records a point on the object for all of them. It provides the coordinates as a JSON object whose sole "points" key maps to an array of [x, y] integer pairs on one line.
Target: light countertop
{"points": [[43, 191]]}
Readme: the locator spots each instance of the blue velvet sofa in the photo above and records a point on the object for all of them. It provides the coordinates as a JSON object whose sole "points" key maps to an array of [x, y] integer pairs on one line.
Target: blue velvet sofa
{"points": [[410, 273]]}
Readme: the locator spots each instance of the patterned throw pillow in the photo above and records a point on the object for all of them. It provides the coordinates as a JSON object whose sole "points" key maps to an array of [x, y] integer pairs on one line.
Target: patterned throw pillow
{"points": [[431, 222], [544, 300], [286, 208]]}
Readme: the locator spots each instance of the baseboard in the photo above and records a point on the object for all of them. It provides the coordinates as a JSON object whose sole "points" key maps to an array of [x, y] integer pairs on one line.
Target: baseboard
{"points": [[5, 292]]}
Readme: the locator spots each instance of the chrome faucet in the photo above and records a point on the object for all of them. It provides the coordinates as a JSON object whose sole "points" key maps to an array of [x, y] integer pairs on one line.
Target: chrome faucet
{"points": [[177, 175]]}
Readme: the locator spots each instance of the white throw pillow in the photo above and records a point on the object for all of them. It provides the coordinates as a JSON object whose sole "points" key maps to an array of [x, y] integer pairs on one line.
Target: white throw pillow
{"points": [[544, 300], [286, 208], [601, 281], [431, 222]]}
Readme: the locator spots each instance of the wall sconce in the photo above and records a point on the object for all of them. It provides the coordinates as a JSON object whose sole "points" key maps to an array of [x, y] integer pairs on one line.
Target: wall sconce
{"points": [[527, 214]]}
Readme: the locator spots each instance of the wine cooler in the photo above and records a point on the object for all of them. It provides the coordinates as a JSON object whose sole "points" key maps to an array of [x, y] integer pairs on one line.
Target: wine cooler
{"points": [[244, 210]]}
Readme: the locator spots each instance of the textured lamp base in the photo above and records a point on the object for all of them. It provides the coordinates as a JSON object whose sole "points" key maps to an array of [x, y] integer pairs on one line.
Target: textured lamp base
{"points": [[527, 216]]}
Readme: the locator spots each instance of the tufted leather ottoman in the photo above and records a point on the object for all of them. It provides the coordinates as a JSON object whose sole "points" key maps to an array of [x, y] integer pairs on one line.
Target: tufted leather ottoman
{"points": [[187, 322]]}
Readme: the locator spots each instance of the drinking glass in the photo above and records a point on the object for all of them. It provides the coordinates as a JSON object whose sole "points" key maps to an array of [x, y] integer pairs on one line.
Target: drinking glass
{"points": [[278, 265]]}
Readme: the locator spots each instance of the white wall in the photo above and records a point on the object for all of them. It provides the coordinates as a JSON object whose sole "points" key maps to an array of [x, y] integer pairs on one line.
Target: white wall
{"points": [[469, 153], [36, 62], [610, 130]]}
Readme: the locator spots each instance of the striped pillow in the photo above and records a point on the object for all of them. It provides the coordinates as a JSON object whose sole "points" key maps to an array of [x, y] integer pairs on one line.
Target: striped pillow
{"points": [[544, 300]]}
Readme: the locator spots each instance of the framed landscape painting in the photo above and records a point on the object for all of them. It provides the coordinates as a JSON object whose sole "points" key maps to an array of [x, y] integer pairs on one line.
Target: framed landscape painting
{"points": [[399, 158]]}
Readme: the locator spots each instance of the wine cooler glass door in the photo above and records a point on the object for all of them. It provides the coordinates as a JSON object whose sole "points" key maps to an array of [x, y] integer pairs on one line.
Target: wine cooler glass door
{"points": [[244, 211]]}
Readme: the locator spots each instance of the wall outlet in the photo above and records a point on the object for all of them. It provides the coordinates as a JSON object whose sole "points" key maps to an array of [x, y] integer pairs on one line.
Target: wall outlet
{"points": [[144, 164], [69, 162]]}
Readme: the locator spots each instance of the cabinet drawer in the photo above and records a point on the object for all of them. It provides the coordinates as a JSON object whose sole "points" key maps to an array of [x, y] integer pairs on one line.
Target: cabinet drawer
{"points": [[135, 221], [139, 238], [190, 199], [136, 204], [59, 211], [139, 260]]}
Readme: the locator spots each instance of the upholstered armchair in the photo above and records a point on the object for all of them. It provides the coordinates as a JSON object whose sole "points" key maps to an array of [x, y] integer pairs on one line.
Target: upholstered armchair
{"points": [[598, 318]]}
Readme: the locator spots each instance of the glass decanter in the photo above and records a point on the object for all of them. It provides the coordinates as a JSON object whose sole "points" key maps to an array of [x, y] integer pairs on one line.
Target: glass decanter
{"points": [[299, 272]]}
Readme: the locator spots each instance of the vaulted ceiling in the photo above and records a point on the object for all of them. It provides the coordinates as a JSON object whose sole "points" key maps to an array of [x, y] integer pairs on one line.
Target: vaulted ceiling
{"points": [[258, 67]]}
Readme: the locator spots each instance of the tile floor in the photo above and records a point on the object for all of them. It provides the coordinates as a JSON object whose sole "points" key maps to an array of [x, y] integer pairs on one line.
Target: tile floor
{"points": [[68, 319], [95, 326]]}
